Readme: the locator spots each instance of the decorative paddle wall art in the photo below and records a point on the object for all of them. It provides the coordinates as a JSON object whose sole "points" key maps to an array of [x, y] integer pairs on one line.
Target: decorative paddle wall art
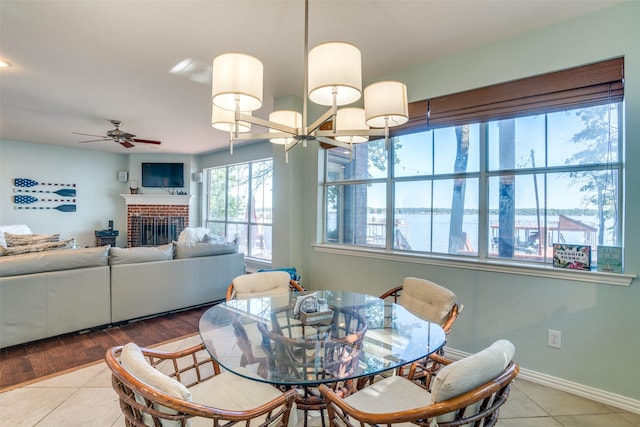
{"points": [[62, 199]]}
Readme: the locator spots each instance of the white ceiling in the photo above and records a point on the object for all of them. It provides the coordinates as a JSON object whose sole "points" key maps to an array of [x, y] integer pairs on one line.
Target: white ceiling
{"points": [[78, 64]]}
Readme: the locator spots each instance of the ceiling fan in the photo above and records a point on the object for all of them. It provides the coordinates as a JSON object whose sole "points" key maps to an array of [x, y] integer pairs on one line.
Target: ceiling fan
{"points": [[123, 138]]}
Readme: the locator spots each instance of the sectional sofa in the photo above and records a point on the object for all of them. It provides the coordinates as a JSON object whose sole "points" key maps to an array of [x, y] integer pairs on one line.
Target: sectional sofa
{"points": [[45, 294]]}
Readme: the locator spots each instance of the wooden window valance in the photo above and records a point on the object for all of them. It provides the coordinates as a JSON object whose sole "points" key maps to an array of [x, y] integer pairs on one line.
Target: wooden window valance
{"points": [[584, 86]]}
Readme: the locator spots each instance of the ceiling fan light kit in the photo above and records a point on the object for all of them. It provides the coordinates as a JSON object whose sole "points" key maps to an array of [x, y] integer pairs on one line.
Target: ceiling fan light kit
{"points": [[333, 78]]}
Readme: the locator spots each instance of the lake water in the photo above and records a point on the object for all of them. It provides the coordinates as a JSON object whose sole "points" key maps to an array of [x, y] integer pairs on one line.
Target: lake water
{"points": [[417, 230]]}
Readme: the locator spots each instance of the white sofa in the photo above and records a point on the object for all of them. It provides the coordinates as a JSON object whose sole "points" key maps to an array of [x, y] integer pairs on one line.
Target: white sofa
{"points": [[55, 292]]}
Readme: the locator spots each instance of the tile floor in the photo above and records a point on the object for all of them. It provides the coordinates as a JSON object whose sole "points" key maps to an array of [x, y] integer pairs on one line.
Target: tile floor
{"points": [[84, 397]]}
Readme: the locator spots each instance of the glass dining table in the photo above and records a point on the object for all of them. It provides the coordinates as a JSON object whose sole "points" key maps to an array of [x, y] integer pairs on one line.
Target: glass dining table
{"points": [[355, 336]]}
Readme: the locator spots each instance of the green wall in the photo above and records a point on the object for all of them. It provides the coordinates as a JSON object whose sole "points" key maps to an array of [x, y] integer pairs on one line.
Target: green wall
{"points": [[599, 322], [600, 338]]}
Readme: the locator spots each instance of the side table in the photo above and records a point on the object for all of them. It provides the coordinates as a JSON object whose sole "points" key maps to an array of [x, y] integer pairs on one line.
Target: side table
{"points": [[106, 237]]}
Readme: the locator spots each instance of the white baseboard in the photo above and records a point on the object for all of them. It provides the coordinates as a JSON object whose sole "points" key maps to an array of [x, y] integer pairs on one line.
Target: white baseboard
{"points": [[591, 393]]}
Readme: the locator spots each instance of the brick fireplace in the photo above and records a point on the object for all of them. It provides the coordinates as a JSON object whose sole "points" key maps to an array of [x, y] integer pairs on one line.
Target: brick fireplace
{"points": [[155, 219]]}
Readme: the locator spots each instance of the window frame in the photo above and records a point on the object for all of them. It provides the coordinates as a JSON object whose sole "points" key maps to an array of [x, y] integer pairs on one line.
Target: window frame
{"points": [[595, 84], [227, 222]]}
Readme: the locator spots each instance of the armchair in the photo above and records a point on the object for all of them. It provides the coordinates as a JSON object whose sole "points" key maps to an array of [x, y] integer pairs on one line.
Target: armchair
{"points": [[188, 388], [466, 392]]}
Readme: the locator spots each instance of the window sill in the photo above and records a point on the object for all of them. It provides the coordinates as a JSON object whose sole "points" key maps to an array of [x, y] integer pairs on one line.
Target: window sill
{"points": [[253, 265], [482, 265]]}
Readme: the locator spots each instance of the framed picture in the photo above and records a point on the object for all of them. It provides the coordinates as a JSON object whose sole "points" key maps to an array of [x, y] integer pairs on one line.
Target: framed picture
{"points": [[575, 257], [609, 259]]}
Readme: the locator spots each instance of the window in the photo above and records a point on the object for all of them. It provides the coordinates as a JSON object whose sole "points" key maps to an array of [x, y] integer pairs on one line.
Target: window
{"points": [[239, 206], [497, 173]]}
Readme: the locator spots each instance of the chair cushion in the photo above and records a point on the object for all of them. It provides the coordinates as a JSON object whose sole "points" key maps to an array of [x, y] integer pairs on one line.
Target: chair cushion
{"points": [[427, 299], [466, 374], [261, 284], [391, 394], [134, 361], [140, 254], [232, 392]]}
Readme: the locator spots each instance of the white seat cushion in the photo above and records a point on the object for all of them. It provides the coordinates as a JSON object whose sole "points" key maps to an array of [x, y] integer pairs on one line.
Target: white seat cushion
{"points": [[261, 284], [390, 394], [427, 299], [232, 392]]}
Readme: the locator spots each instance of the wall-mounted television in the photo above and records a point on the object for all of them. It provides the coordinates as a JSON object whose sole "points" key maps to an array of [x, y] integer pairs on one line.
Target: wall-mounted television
{"points": [[165, 175]]}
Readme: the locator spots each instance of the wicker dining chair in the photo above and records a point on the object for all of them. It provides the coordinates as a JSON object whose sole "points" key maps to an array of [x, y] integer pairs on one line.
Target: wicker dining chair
{"points": [[187, 388], [470, 391], [265, 283], [430, 301]]}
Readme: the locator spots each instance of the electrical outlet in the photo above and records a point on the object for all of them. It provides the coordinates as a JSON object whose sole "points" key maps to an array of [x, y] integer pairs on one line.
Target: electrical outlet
{"points": [[554, 338]]}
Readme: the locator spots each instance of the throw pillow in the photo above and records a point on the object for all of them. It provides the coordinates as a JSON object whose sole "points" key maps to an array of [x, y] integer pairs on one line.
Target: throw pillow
{"points": [[15, 229], [39, 247], [191, 236], [29, 239]]}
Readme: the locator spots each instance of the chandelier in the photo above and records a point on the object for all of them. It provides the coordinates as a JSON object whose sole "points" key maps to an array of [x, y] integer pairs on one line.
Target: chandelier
{"points": [[333, 78]]}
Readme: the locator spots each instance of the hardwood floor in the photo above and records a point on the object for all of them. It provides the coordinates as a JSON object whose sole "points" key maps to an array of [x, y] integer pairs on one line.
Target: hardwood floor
{"points": [[26, 362]]}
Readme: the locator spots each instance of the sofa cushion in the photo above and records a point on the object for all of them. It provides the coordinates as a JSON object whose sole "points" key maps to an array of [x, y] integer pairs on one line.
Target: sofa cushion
{"points": [[140, 254], [29, 239], [40, 262], [466, 374], [205, 249], [38, 247]]}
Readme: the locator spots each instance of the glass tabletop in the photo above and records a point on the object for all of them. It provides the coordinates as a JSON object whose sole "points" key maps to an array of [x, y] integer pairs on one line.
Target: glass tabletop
{"points": [[357, 335]]}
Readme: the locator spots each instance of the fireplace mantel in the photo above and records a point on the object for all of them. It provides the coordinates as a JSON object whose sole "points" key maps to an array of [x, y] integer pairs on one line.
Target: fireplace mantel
{"points": [[157, 199]]}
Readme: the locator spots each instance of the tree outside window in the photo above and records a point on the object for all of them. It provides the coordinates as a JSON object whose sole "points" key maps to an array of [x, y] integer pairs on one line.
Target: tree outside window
{"points": [[239, 206]]}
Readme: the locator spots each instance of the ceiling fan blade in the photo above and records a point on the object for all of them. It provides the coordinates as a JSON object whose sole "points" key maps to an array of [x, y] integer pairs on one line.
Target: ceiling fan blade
{"points": [[126, 144], [146, 141], [125, 135], [95, 140], [88, 134]]}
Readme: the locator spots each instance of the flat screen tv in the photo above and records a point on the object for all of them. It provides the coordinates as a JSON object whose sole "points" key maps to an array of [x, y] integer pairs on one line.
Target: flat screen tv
{"points": [[165, 175]]}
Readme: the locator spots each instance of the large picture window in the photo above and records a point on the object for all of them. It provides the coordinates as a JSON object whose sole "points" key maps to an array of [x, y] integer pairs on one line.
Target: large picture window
{"points": [[503, 186], [239, 206]]}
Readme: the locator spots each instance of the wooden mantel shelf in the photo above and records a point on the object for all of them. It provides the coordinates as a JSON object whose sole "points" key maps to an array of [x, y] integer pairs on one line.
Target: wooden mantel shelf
{"points": [[157, 199]]}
